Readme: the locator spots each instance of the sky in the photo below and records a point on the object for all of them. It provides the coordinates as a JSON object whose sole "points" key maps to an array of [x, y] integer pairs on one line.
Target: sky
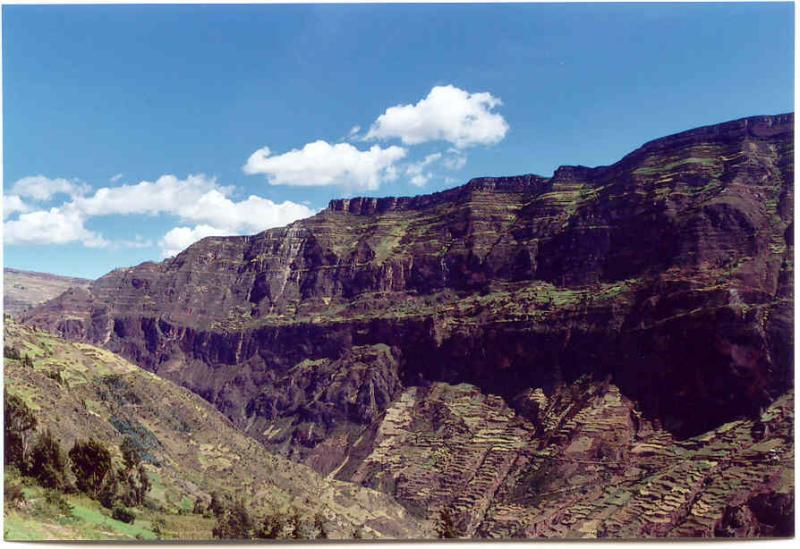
{"points": [[131, 131]]}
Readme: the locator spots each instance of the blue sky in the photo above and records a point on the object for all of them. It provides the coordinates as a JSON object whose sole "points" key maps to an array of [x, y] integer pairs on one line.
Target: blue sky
{"points": [[165, 106]]}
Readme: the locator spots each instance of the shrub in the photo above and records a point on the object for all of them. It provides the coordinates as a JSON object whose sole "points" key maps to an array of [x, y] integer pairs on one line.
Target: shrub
{"points": [[274, 526], [234, 523], [55, 375], [56, 499], [47, 461], [10, 352], [217, 506], [159, 524], [91, 464], [18, 428], [291, 525], [130, 453], [199, 506], [133, 486], [124, 514], [13, 494]]}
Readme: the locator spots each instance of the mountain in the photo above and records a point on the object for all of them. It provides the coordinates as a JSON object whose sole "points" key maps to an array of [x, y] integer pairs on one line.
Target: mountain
{"points": [[191, 450], [578, 355], [24, 289]]}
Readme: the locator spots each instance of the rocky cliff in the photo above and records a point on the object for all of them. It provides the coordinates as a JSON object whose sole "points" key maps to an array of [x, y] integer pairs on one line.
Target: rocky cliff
{"points": [[667, 275]]}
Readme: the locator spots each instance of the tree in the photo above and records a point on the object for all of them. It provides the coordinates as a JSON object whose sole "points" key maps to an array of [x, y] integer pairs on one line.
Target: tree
{"points": [[27, 361], [91, 464], [306, 527], [274, 526], [48, 462], [234, 523], [18, 430], [130, 453], [133, 480], [217, 506]]}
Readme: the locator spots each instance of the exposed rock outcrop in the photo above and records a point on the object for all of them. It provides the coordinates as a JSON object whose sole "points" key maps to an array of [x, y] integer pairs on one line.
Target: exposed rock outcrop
{"points": [[667, 274]]}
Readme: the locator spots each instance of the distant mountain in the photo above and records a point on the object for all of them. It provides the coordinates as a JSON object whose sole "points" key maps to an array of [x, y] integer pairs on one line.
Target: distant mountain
{"points": [[24, 289], [566, 356]]}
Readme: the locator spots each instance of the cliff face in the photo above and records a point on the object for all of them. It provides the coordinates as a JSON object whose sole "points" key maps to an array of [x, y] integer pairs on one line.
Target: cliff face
{"points": [[667, 273]]}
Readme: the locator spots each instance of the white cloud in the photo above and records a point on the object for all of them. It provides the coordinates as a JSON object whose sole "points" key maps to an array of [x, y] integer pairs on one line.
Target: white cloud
{"points": [[165, 195], [320, 163], [416, 171], [218, 215], [40, 188], [179, 238], [54, 226], [448, 114], [13, 204], [252, 215], [196, 200], [455, 160], [115, 178]]}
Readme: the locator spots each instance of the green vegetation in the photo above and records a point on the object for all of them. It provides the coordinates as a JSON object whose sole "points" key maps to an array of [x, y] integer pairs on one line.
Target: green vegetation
{"points": [[131, 456]]}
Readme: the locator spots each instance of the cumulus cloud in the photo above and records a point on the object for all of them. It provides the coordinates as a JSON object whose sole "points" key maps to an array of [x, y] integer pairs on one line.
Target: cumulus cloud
{"points": [[253, 214], [41, 188], [449, 114], [180, 238], [197, 200], [13, 204], [321, 163], [116, 178], [218, 215], [167, 194], [416, 170], [54, 226]]}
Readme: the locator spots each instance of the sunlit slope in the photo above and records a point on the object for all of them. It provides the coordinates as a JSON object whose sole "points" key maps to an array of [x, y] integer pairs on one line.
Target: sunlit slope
{"points": [[190, 447]]}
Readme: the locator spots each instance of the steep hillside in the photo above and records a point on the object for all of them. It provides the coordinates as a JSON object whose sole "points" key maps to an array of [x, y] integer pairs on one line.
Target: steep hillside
{"points": [[24, 289], [191, 449], [665, 278]]}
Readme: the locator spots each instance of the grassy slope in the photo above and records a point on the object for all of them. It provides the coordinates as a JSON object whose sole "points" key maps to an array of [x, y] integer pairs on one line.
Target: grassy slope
{"points": [[192, 448]]}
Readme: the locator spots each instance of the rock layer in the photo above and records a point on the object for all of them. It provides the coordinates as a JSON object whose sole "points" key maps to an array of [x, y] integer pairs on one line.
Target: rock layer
{"points": [[667, 274]]}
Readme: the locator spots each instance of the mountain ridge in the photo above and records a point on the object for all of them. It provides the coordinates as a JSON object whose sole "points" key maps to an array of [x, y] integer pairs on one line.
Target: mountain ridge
{"points": [[668, 273]]}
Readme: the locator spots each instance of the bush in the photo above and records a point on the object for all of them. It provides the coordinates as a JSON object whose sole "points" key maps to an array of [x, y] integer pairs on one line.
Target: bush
{"points": [[10, 352], [199, 506], [47, 461], [130, 453], [91, 464], [56, 499], [234, 523], [18, 428], [55, 375], [133, 478], [291, 526], [275, 526], [124, 514], [159, 524], [14, 496], [217, 505]]}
